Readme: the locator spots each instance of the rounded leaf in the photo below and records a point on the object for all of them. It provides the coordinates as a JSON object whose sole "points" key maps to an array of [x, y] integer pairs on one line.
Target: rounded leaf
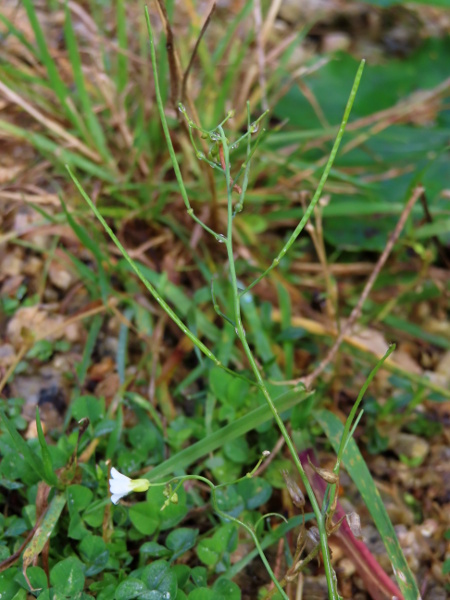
{"points": [[129, 589], [237, 450], [226, 590], [255, 492], [208, 553], [154, 549], [79, 497], [182, 539], [67, 577], [144, 517], [159, 577]]}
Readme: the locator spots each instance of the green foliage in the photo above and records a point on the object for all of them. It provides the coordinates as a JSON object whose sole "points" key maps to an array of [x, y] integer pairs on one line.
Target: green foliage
{"points": [[362, 478], [146, 548], [214, 552]]}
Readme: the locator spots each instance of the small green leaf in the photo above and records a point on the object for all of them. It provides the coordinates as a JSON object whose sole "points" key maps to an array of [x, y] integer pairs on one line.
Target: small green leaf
{"points": [[226, 590], [154, 550], [67, 577], [199, 576], [94, 554], [36, 576], [9, 588], [173, 513], [182, 573], [180, 540], [229, 501], [208, 553], [446, 567], [219, 380], [255, 492], [129, 589], [22, 447], [211, 550], [88, 407], [160, 578], [79, 497], [145, 517], [225, 537], [237, 450]]}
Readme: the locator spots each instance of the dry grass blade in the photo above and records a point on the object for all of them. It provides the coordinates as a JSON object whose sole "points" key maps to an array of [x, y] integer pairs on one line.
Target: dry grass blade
{"points": [[194, 52], [308, 380], [49, 124]]}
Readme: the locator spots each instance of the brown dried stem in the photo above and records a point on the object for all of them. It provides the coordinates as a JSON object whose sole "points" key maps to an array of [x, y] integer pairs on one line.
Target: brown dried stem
{"points": [[356, 312], [195, 50]]}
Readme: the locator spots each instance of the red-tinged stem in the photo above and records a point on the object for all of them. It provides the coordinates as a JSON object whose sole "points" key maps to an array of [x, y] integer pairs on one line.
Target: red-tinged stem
{"points": [[378, 584]]}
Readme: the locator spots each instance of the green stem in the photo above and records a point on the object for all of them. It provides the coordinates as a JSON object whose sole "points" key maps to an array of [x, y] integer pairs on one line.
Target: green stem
{"points": [[322, 181], [227, 517], [165, 127], [240, 332], [153, 291]]}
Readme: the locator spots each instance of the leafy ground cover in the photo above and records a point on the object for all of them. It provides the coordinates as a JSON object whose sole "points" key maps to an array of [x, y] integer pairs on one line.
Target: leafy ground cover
{"points": [[135, 317]]}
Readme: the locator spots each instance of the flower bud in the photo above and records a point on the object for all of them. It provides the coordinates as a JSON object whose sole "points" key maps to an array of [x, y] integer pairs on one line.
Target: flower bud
{"points": [[296, 494], [325, 474], [312, 538]]}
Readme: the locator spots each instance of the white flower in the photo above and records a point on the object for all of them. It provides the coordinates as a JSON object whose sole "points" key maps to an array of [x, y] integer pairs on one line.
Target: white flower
{"points": [[121, 485]]}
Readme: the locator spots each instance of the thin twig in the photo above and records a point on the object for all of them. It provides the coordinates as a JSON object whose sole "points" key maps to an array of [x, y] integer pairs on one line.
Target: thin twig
{"points": [[174, 62], [308, 380], [194, 52], [177, 81]]}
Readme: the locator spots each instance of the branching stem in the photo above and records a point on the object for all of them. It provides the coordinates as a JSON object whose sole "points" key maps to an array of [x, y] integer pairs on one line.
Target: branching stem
{"points": [[322, 181], [240, 332]]}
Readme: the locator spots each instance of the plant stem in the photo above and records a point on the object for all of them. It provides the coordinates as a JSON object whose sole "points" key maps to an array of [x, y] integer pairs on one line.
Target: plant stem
{"points": [[323, 179], [240, 332]]}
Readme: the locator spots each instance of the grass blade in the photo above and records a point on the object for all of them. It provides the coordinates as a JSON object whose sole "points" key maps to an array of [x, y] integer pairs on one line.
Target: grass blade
{"points": [[22, 447], [93, 125], [44, 531], [56, 83], [122, 58], [50, 476], [82, 368], [360, 474], [238, 428], [140, 275], [56, 153]]}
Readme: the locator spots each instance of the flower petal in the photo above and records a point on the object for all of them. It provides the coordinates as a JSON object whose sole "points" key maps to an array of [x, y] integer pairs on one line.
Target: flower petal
{"points": [[118, 476], [119, 487], [116, 497]]}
